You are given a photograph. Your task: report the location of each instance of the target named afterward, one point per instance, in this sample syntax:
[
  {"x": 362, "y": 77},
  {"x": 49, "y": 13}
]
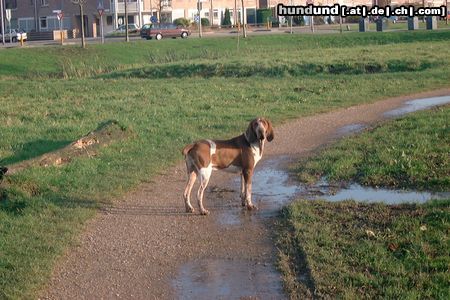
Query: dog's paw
[
  {"x": 251, "y": 207},
  {"x": 190, "y": 209},
  {"x": 204, "y": 212}
]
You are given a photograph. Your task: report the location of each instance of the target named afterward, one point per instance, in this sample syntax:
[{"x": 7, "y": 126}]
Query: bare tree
[
  {"x": 127, "y": 36},
  {"x": 81, "y": 4},
  {"x": 244, "y": 30}
]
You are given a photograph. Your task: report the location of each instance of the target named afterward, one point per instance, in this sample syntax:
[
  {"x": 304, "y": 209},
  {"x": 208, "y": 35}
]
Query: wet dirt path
[{"x": 146, "y": 247}]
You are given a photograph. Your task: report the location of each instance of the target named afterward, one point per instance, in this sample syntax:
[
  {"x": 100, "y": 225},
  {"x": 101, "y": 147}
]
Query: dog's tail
[{"x": 186, "y": 149}]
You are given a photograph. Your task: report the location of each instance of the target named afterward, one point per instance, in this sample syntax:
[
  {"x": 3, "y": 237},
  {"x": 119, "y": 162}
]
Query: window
[
  {"x": 11, "y": 4},
  {"x": 216, "y": 13},
  {"x": 206, "y": 14},
  {"x": 109, "y": 20},
  {"x": 44, "y": 3},
  {"x": 43, "y": 22}
]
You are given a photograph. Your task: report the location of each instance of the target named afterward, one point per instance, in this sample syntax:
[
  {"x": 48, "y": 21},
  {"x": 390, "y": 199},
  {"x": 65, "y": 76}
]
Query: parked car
[
  {"x": 158, "y": 31},
  {"x": 132, "y": 28},
  {"x": 16, "y": 34}
]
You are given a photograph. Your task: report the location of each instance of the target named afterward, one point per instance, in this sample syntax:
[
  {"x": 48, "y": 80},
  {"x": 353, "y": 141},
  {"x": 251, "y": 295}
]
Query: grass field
[
  {"x": 406, "y": 153},
  {"x": 356, "y": 250},
  {"x": 167, "y": 94}
]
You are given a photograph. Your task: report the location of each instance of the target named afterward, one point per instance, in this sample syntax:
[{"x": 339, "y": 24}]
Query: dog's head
[{"x": 258, "y": 130}]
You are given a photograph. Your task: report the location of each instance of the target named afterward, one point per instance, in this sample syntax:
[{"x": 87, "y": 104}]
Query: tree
[
  {"x": 81, "y": 4},
  {"x": 227, "y": 18},
  {"x": 244, "y": 30}
]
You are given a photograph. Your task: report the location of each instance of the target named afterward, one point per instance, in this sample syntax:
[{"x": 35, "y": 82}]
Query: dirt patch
[
  {"x": 142, "y": 245},
  {"x": 87, "y": 145}
]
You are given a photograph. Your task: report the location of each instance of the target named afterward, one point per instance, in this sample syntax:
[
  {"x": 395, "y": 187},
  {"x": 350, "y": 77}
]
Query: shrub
[
  {"x": 319, "y": 20},
  {"x": 298, "y": 20},
  {"x": 227, "y": 18},
  {"x": 205, "y": 22},
  {"x": 263, "y": 15},
  {"x": 182, "y": 22},
  {"x": 352, "y": 19}
]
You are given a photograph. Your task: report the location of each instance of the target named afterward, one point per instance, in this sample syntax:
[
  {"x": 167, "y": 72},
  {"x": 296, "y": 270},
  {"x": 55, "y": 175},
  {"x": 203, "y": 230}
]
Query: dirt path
[{"x": 146, "y": 247}]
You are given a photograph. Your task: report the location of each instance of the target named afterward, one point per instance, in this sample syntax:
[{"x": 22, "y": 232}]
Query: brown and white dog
[{"x": 242, "y": 152}]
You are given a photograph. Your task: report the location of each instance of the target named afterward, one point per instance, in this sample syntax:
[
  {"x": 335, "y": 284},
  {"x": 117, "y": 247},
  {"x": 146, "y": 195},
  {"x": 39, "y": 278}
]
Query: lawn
[
  {"x": 409, "y": 152},
  {"x": 356, "y": 250},
  {"x": 167, "y": 94}
]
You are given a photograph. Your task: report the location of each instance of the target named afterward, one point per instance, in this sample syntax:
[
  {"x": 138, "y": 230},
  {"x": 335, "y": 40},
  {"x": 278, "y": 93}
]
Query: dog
[{"x": 242, "y": 152}]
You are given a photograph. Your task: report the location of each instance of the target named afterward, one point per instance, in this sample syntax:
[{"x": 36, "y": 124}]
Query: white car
[{"x": 16, "y": 34}]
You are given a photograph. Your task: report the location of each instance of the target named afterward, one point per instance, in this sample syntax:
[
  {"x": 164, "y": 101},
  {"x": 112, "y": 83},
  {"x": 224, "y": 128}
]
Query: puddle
[
  {"x": 350, "y": 129},
  {"x": 227, "y": 279},
  {"x": 416, "y": 105},
  {"x": 272, "y": 188},
  {"x": 367, "y": 194}
]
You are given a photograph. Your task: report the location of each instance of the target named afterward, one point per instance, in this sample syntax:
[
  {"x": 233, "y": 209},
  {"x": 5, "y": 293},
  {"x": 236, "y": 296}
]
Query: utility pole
[{"x": 2, "y": 16}]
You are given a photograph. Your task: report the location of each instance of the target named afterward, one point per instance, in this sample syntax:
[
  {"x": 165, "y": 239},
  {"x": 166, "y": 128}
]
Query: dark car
[{"x": 158, "y": 31}]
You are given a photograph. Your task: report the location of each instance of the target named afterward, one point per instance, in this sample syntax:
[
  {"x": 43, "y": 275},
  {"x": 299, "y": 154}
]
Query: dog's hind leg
[
  {"x": 192, "y": 176},
  {"x": 205, "y": 174}
]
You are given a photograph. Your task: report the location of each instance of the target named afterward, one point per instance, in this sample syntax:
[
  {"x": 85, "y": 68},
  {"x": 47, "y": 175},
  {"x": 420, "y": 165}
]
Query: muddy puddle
[
  {"x": 272, "y": 188},
  {"x": 416, "y": 105},
  {"x": 351, "y": 129},
  {"x": 228, "y": 279}
]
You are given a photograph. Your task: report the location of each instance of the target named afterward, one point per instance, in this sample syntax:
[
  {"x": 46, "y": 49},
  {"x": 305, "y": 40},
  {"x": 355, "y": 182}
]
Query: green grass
[
  {"x": 51, "y": 96},
  {"x": 352, "y": 250},
  {"x": 411, "y": 152}
]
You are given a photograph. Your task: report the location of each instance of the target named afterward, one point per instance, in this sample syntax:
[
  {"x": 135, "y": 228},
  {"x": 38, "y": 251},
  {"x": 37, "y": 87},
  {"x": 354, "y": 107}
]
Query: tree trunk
[
  {"x": 244, "y": 29},
  {"x": 211, "y": 14},
  {"x": 127, "y": 37},
  {"x": 83, "y": 42}
]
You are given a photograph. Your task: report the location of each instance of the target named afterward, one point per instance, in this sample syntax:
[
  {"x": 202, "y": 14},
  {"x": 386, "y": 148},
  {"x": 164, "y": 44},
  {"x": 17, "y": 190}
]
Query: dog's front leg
[
  {"x": 243, "y": 189},
  {"x": 247, "y": 174}
]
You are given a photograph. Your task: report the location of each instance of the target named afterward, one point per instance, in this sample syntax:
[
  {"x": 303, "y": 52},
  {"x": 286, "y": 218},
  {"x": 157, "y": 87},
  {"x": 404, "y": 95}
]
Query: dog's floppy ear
[
  {"x": 250, "y": 133},
  {"x": 270, "y": 133}
]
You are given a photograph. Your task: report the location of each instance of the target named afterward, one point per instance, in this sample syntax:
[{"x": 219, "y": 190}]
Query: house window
[
  {"x": 109, "y": 20},
  {"x": 43, "y": 22},
  {"x": 44, "y": 2},
  {"x": 206, "y": 14},
  {"x": 216, "y": 13},
  {"x": 11, "y": 4}
]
